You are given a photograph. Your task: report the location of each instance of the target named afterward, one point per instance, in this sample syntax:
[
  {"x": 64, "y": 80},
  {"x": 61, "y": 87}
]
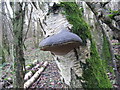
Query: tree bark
[
  {"x": 103, "y": 14},
  {"x": 105, "y": 19},
  {"x": 69, "y": 64},
  {"x": 19, "y": 61},
  {"x": 5, "y": 42}
]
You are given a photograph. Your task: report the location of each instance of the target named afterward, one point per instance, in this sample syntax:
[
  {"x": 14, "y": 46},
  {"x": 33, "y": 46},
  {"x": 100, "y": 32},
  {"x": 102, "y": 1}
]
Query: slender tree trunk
[
  {"x": 19, "y": 61},
  {"x": 5, "y": 43}
]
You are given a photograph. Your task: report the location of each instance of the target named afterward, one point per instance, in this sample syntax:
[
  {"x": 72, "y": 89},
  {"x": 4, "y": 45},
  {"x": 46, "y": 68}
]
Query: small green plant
[{"x": 113, "y": 13}]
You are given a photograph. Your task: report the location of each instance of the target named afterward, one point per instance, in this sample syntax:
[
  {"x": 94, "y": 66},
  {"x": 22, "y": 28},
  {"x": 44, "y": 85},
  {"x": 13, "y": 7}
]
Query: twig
[
  {"x": 28, "y": 25},
  {"x": 42, "y": 26},
  {"x": 103, "y": 4}
]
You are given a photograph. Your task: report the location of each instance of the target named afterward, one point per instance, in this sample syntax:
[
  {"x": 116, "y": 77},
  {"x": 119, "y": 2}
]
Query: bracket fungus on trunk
[{"x": 61, "y": 43}]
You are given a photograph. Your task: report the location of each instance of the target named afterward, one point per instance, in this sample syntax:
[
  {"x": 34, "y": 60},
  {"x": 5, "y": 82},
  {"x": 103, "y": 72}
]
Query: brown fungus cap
[{"x": 61, "y": 43}]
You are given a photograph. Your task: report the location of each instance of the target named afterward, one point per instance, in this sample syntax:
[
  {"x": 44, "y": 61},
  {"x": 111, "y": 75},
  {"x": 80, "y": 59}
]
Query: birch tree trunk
[
  {"x": 86, "y": 66},
  {"x": 51, "y": 24}
]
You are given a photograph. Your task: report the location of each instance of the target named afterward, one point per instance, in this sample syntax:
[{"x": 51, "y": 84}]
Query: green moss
[
  {"x": 74, "y": 16},
  {"x": 95, "y": 75},
  {"x": 115, "y": 11},
  {"x": 0, "y": 51},
  {"x": 95, "y": 72},
  {"x": 111, "y": 15},
  {"x": 106, "y": 55},
  {"x": 116, "y": 44}
]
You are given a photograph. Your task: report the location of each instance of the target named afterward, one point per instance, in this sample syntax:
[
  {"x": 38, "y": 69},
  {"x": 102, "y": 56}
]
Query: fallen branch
[
  {"x": 35, "y": 76},
  {"x": 30, "y": 73},
  {"x": 32, "y": 64}
]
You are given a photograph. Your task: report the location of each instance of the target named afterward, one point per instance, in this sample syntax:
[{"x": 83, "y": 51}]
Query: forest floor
[{"x": 49, "y": 78}]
